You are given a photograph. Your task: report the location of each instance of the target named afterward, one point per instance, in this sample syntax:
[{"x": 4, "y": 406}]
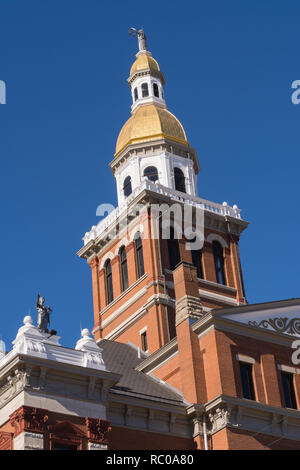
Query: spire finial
[{"x": 141, "y": 38}]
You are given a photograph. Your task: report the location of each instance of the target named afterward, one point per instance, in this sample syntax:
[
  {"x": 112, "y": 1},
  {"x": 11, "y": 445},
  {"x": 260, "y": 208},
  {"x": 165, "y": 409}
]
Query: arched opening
[
  {"x": 197, "y": 260},
  {"x": 139, "y": 256},
  {"x": 108, "y": 282},
  {"x": 219, "y": 262},
  {"x": 179, "y": 180},
  {"x": 127, "y": 186},
  {"x": 155, "y": 90},
  {"x": 173, "y": 250},
  {"x": 135, "y": 94},
  {"x": 151, "y": 173},
  {"x": 145, "y": 90},
  {"x": 124, "y": 270}
]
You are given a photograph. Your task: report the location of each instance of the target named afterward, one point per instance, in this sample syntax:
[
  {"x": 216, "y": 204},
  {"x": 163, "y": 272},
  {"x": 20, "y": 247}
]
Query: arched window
[
  {"x": 155, "y": 90},
  {"x": 179, "y": 180},
  {"x": 108, "y": 282},
  {"x": 151, "y": 173},
  {"x": 139, "y": 256},
  {"x": 173, "y": 250},
  {"x": 219, "y": 262},
  {"x": 124, "y": 270},
  {"x": 145, "y": 91},
  {"x": 127, "y": 186},
  {"x": 135, "y": 94},
  {"x": 197, "y": 260}
]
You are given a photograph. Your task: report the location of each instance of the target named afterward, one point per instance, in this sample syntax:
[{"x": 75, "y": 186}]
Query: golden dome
[
  {"x": 144, "y": 61},
  {"x": 147, "y": 123}
]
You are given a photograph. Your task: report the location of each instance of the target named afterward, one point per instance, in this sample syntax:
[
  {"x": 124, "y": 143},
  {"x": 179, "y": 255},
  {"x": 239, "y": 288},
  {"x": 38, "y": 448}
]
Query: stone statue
[
  {"x": 43, "y": 314},
  {"x": 141, "y": 38}
]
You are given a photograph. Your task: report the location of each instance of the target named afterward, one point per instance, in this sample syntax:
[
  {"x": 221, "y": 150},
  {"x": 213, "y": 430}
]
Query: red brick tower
[{"x": 131, "y": 257}]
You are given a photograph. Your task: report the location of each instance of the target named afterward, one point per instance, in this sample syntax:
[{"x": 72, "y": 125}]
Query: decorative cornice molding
[
  {"x": 155, "y": 299},
  {"x": 224, "y": 299},
  {"x": 224, "y": 411},
  {"x": 29, "y": 419}
]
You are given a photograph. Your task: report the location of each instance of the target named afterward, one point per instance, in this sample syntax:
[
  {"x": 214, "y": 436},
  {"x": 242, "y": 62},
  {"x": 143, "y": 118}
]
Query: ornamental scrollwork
[
  {"x": 279, "y": 324},
  {"x": 29, "y": 419},
  {"x": 98, "y": 429}
]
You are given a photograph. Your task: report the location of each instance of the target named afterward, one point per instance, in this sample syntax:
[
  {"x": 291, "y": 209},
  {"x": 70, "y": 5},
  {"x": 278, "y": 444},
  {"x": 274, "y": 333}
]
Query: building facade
[{"x": 179, "y": 359}]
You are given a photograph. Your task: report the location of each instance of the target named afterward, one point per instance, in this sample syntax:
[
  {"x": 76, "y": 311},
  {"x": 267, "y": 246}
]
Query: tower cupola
[{"x": 152, "y": 137}]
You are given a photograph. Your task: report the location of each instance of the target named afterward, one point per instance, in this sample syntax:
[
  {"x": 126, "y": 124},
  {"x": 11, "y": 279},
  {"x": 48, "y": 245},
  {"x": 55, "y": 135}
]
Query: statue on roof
[
  {"x": 43, "y": 314},
  {"x": 141, "y": 38}
]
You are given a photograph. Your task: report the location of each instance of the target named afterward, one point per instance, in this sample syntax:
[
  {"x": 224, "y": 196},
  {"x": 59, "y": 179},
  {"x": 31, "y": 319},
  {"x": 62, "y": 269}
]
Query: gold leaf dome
[
  {"x": 144, "y": 61},
  {"x": 150, "y": 122}
]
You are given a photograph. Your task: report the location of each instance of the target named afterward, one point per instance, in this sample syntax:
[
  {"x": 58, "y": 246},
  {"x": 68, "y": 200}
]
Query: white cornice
[
  {"x": 154, "y": 299},
  {"x": 217, "y": 297},
  {"x": 130, "y": 301}
]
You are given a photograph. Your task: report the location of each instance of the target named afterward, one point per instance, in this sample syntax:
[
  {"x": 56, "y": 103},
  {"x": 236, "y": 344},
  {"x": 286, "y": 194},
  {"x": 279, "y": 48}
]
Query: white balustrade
[{"x": 177, "y": 196}]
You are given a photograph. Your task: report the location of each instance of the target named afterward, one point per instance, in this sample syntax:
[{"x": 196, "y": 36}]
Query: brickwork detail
[
  {"x": 29, "y": 419},
  {"x": 6, "y": 441},
  {"x": 98, "y": 430}
]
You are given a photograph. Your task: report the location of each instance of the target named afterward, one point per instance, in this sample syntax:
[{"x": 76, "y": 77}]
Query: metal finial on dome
[{"x": 141, "y": 38}]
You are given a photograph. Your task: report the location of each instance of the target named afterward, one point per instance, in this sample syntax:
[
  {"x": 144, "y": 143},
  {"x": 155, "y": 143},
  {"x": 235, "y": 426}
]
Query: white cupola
[{"x": 152, "y": 145}]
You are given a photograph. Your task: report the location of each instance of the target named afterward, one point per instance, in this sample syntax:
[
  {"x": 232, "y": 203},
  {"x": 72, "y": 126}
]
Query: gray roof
[{"x": 122, "y": 359}]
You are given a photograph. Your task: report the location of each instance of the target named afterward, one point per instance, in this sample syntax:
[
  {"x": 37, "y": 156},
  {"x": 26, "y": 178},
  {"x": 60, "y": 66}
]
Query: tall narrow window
[
  {"x": 179, "y": 180},
  {"x": 247, "y": 381},
  {"x": 155, "y": 90},
  {"x": 288, "y": 390},
  {"x": 109, "y": 285},
  {"x": 197, "y": 260},
  {"x": 151, "y": 173},
  {"x": 145, "y": 90},
  {"x": 144, "y": 341},
  {"x": 219, "y": 262},
  {"x": 127, "y": 186},
  {"x": 173, "y": 249},
  {"x": 139, "y": 257},
  {"x": 135, "y": 94},
  {"x": 124, "y": 270}
]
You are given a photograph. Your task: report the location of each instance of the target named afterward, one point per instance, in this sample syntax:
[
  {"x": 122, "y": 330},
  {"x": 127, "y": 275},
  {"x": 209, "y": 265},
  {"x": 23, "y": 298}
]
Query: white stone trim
[
  {"x": 216, "y": 285},
  {"x": 108, "y": 255},
  {"x": 150, "y": 371},
  {"x": 124, "y": 307},
  {"x": 125, "y": 292},
  {"x": 217, "y": 297},
  {"x": 258, "y": 418},
  {"x": 64, "y": 405},
  {"x": 29, "y": 441},
  {"x": 95, "y": 446},
  {"x": 143, "y": 330},
  {"x": 134, "y": 232},
  {"x": 284, "y": 368},
  {"x": 156, "y": 298},
  {"x": 243, "y": 358},
  {"x": 214, "y": 236},
  {"x": 164, "y": 191},
  {"x": 125, "y": 324},
  {"x": 124, "y": 242}
]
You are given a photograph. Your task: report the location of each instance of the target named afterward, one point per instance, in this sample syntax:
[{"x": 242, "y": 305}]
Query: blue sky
[{"x": 228, "y": 67}]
